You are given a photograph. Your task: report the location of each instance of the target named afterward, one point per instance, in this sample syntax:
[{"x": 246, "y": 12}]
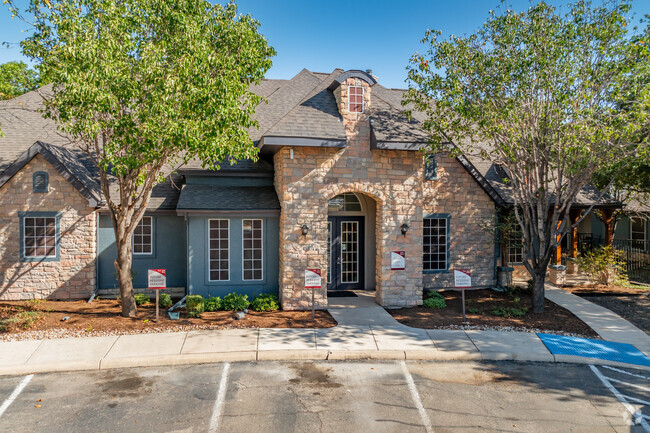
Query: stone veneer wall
[
  {"x": 395, "y": 180},
  {"x": 73, "y": 276},
  {"x": 456, "y": 193}
]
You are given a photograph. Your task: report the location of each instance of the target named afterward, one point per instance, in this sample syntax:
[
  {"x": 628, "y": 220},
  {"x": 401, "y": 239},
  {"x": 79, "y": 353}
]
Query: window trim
[
  {"x": 447, "y": 217},
  {"x": 363, "y": 102},
  {"x": 210, "y": 280},
  {"x": 153, "y": 239},
  {"x": 434, "y": 160},
  {"x": 261, "y": 220},
  {"x": 57, "y": 217},
  {"x": 46, "y": 188}
]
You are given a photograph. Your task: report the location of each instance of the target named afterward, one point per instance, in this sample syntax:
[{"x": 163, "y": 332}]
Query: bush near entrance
[{"x": 194, "y": 305}]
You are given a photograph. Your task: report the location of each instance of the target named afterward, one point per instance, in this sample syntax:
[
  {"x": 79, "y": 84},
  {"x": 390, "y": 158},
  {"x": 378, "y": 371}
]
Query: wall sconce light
[
  {"x": 305, "y": 229},
  {"x": 405, "y": 228}
]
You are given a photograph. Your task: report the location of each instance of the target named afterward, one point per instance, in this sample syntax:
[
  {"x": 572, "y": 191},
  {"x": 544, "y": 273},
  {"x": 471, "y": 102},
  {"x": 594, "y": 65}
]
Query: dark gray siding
[
  {"x": 169, "y": 252},
  {"x": 198, "y": 278}
]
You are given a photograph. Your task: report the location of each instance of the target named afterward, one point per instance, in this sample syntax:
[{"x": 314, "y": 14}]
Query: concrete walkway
[
  {"x": 360, "y": 311},
  {"x": 365, "y": 331},
  {"x": 609, "y": 325}
]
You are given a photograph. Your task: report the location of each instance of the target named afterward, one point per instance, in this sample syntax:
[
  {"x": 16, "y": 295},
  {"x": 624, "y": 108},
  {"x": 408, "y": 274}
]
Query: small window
[
  {"x": 347, "y": 202},
  {"x": 219, "y": 246},
  {"x": 355, "y": 99},
  {"x": 638, "y": 232},
  {"x": 252, "y": 249},
  {"x": 436, "y": 243},
  {"x": 40, "y": 181},
  {"x": 143, "y": 236},
  {"x": 516, "y": 248},
  {"x": 431, "y": 167}
]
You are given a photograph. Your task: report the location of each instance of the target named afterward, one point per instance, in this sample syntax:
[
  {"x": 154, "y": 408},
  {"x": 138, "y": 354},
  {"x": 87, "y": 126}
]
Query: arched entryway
[{"x": 351, "y": 242}]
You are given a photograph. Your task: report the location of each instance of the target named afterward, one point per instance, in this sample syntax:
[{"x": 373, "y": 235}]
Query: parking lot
[{"x": 389, "y": 396}]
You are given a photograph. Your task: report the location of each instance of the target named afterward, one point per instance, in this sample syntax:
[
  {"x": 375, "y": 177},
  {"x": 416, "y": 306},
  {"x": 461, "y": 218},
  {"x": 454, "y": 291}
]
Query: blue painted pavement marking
[{"x": 599, "y": 349}]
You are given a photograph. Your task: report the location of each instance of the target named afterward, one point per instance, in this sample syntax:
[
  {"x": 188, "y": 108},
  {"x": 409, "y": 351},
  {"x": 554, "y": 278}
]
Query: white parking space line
[
  {"x": 23, "y": 383},
  {"x": 221, "y": 396},
  {"x": 633, "y": 385},
  {"x": 416, "y": 398},
  {"x": 638, "y": 400},
  {"x": 618, "y": 370},
  {"x": 638, "y": 418}
]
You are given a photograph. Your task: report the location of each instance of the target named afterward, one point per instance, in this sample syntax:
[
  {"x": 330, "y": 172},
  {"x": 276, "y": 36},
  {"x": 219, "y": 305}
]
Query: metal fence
[{"x": 636, "y": 254}]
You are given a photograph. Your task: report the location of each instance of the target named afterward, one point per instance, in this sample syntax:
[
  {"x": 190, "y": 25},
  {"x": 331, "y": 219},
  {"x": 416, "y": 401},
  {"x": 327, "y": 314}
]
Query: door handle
[{"x": 338, "y": 261}]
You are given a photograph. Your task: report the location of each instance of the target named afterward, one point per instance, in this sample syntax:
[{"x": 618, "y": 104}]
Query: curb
[{"x": 298, "y": 355}]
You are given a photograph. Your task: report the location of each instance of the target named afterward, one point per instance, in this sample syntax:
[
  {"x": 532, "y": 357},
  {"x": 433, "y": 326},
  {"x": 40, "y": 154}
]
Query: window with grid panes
[
  {"x": 143, "y": 236},
  {"x": 219, "y": 245},
  {"x": 39, "y": 236},
  {"x": 252, "y": 238},
  {"x": 435, "y": 244},
  {"x": 355, "y": 99}
]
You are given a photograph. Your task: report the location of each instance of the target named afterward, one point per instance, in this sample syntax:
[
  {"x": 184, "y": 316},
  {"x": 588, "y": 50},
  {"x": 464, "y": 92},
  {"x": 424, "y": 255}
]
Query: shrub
[
  {"x": 434, "y": 300},
  {"x": 604, "y": 265},
  {"x": 235, "y": 301},
  {"x": 213, "y": 303},
  {"x": 509, "y": 311},
  {"x": 165, "y": 301},
  {"x": 265, "y": 302},
  {"x": 194, "y": 305},
  {"x": 141, "y": 299}
]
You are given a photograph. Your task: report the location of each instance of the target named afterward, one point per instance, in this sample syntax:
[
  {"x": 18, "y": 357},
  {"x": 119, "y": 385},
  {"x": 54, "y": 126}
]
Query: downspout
[
  {"x": 96, "y": 289},
  {"x": 188, "y": 270},
  {"x": 497, "y": 248}
]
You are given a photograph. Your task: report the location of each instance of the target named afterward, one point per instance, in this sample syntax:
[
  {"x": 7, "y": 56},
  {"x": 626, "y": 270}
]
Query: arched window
[
  {"x": 40, "y": 181},
  {"x": 347, "y": 202}
]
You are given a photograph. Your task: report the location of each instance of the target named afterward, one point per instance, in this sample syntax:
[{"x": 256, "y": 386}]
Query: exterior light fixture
[
  {"x": 405, "y": 228},
  {"x": 305, "y": 229}
]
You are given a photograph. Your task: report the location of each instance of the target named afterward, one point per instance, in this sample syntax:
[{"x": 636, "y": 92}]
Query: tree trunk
[
  {"x": 538, "y": 290},
  {"x": 123, "y": 268}
]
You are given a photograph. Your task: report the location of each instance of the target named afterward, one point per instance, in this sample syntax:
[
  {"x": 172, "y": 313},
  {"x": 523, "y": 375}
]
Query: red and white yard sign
[
  {"x": 312, "y": 279},
  {"x": 157, "y": 279},
  {"x": 397, "y": 260},
  {"x": 462, "y": 279}
]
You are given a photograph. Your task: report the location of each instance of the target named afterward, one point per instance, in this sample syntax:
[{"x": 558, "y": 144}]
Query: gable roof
[
  {"x": 301, "y": 111},
  {"x": 69, "y": 165}
]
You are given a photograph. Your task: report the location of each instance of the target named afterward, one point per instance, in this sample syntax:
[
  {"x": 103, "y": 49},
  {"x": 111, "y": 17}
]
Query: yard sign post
[
  {"x": 313, "y": 282},
  {"x": 157, "y": 281},
  {"x": 462, "y": 281}
]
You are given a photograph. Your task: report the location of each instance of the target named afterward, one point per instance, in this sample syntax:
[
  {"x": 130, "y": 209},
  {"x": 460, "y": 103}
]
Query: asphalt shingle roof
[
  {"x": 301, "y": 107},
  {"x": 228, "y": 198}
]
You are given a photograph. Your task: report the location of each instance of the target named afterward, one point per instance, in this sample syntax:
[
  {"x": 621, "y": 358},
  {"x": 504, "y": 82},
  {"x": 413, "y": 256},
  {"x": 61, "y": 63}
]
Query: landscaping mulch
[
  {"x": 630, "y": 302},
  {"x": 480, "y": 312},
  {"x": 42, "y": 319}
]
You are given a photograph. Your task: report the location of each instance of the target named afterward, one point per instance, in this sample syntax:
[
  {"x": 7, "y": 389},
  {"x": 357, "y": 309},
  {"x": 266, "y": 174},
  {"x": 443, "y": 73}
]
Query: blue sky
[{"x": 321, "y": 35}]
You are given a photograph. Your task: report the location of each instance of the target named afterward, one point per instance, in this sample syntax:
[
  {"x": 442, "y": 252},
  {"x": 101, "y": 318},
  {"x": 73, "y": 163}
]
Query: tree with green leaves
[
  {"x": 143, "y": 86},
  {"x": 17, "y": 78},
  {"x": 628, "y": 179},
  {"x": 538, "y": 94}
]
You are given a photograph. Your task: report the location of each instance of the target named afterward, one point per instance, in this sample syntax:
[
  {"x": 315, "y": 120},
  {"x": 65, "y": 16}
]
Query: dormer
[{"x": 352, "y": 92}]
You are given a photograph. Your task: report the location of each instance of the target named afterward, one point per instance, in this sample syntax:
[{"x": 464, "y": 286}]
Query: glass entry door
[{"x": 345, "y": 250}]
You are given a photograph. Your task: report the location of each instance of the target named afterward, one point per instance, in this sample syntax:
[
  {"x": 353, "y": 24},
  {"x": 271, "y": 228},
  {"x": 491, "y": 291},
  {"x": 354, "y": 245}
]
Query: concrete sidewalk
[
  {"x": 609, "y": 325},
  {"x": 365, "y": 331}
]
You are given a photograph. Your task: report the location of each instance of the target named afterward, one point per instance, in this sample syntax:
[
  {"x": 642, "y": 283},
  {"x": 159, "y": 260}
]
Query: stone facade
[
  {"x": 71, "y": 277},
  {"x": 456, "y": 193},
  {"x": 394, "y": 179}
]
